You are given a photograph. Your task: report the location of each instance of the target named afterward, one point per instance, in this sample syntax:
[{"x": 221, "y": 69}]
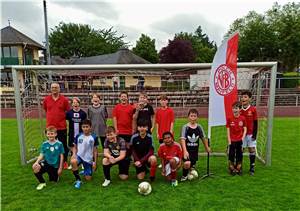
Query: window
[
  {"x": 13, "y": 52},
  {"x": 6, "y": 52},
  {"x": 9, "y": 52}
]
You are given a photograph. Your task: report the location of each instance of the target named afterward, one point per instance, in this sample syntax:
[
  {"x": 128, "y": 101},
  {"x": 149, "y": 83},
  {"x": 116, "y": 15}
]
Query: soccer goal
[{"x": 186, "y": 85}]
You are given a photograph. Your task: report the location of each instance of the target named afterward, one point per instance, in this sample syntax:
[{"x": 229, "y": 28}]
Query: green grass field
[{"x": 272, "y": 188}]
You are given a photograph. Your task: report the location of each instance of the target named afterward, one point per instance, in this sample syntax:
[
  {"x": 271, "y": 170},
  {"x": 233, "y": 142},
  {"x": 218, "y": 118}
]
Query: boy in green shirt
[{"x": 50, "y": 160}]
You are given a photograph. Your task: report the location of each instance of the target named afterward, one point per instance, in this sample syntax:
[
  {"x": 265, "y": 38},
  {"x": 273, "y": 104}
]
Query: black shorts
[
  {"x": 236, "y": 152},
  {"x": 142, "y": 168},
  {"x": 71, "y": 141},
  {"x": 193, "y": 157},
  {"x": 52, "y": 172},
  {"x": 123, "y": 166}
]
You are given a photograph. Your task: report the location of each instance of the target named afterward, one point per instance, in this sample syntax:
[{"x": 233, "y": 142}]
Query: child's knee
[
  {"x": 187, "y": 164},
  {"x": 152, "y": 160},
  {"x": 73, "y": 162},
  {"x": 123, "y": 176},
  {"x": 105, "y": 161}
]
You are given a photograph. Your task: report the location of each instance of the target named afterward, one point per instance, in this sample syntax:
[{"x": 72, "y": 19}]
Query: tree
[
  {"x": 177, "y": 51},
  {"x": 202, "y": 46},
  {"x": 285, "y": 21},
  {"x": 145, "y": 48},
  {"x": 79, "y": 40},
  {"x": 274, "y": 35}
]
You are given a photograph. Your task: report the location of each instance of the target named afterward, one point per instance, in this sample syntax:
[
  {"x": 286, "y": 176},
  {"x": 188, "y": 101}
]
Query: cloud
[
  {"x": 97, "y": 8},
  {"x": 189, "y": 23},
  {"x": 26, "y": 17}
]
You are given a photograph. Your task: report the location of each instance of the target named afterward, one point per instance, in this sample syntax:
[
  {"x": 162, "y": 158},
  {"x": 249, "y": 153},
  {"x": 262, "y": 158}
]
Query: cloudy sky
[{"x": 160, "y": 19}]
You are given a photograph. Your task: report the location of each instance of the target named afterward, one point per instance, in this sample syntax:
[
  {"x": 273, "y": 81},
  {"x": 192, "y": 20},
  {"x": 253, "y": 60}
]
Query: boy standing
[
  {"x": 171, "y": 154},
  {"x": 164, "y": 118},
  {"x": 236, "y": 132},
  {"x": 143, "y": 152},
  {"x": 191, "y": 133},
  {"x": 144, "y": 112},
  {"x": 122, "y": 117},
  {"x": 75, "y": 116},
  {"x": 85, "y": 153},
  {"x": 114, "y": 153},
  {"x": 50, "y": 160},
  {"x": 249, "y": 112},
  {"x": 97, "y": 113}
]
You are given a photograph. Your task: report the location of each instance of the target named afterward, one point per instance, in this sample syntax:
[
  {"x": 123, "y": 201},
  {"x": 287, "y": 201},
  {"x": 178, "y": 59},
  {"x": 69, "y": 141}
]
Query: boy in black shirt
[
  {"x": 144, "y": 112},
  {"x": 143, "y": 152},
  {"x": 190, "y": 135},
  {"x": 114, "y": 153}
]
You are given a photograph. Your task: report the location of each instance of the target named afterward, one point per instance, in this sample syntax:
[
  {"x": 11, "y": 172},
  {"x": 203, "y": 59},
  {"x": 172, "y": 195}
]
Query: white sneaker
[
  {"x": 41, "y": 186},
  {"x": 106, "y": 183},
  {"x": 70, "y": 167},
  {"x": 159, "y": 166}
]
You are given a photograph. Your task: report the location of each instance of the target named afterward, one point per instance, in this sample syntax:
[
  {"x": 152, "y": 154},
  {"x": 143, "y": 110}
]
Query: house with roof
[
  {"x": 16, "y": 49},
  {"x": 131, "y": 80}
]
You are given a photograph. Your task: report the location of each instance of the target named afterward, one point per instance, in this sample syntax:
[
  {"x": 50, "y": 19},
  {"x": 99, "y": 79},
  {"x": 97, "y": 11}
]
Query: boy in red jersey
[
  {"x": 249, "y": 112},
  {"x": 164, "y": 118},
  {"x": 171, "y": 154},
  {"x": 236, "y": 132},
  {"x": 123, "y": 117}
]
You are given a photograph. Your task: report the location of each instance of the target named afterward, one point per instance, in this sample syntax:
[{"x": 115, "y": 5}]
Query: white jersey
[{"x": 85, "y": 146}]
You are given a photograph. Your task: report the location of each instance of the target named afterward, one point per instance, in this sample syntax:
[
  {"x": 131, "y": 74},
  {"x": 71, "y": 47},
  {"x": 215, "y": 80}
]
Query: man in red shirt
[
  {"x": 171, "y": 154},
  {"x": 122, "y": 118},
  {"x": 236, "y": 132},
  {"x": 249, "y": 112},
  {"x": 56, "y": 106},
  {"x": 164, "y": 118}
]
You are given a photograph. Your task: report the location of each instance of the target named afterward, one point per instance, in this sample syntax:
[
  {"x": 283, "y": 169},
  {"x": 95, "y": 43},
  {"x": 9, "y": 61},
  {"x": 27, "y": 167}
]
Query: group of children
[{"x": 130, "y": 141}]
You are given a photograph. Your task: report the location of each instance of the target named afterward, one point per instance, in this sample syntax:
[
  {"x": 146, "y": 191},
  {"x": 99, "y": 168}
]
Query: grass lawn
[{"x": 272, "y": 188}]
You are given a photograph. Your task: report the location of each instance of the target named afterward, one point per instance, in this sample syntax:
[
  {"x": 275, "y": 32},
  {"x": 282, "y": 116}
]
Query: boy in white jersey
[{"x": 85, "y": 153}]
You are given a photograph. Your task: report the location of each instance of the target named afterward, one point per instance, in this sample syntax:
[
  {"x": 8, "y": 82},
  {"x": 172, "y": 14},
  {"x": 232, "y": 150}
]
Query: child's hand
[
  {"x": 112, "y": 160},
  {"x": 94, "y": 166},
  {"x": 137, "y": 163},
  {"x": 186, "y": 155},
  {"x": 36, "y": 167},
  {"x": 208, "y": 150},
  {"x": 59, "y": 171}
]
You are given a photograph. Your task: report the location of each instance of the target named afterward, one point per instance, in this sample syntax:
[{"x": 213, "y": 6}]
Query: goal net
[{"x": 186, "y": 85}]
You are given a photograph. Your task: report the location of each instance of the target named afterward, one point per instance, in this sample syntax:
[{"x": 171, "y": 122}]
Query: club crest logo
[
  {"x": 224, "y": 80},
  {"x": 241, "y": 123}
]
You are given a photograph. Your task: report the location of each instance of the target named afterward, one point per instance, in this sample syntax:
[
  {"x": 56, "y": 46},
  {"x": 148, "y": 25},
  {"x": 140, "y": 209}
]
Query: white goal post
[{"x": 118, "y": 69}]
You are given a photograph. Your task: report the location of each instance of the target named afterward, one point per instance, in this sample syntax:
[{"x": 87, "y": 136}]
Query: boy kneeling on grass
[
  {"x": 143, "y": 152},
  {"x": 171, "y": 154},
  {"x": 50, "y": 160},
  {"x": 85, "y": 153},
  {"x": 236, "y": 132},
  {"x": 114, "y": 153}
]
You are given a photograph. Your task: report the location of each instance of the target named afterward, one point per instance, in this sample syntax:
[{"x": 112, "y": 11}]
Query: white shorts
[
  {"x": 247, "y": 142},
  {"x": 168, "y": 166}
]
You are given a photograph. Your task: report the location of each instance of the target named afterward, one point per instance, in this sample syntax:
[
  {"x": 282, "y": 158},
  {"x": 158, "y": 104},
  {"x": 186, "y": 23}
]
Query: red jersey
[
  {"x": 236, "y": 127},
  {"x": 250, "y": 114},
  {"x": 124, "y": 115},
  {"x": 167, "y": 152},
  {"x": 56, "y": 111},
  {"x": 164, "y": 118}
]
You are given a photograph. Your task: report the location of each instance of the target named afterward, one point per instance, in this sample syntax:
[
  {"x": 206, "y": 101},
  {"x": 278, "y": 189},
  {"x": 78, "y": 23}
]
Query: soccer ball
[
  {"x": 144, "y": 188},
  {"x": 193, "y": 174}
]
